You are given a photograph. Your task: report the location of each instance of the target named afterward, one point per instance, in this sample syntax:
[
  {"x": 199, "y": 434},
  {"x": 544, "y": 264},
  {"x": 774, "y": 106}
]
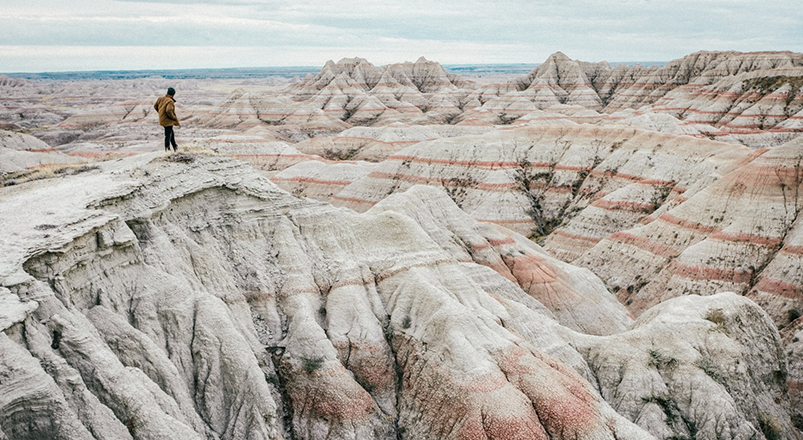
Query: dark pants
[{"x": 170, "y": 138}]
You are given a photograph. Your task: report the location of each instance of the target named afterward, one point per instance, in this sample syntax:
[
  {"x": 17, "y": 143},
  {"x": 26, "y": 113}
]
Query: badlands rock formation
[
  {"x": 655, "y": 215},
  {"x": 19, "y": 152},
  {"x": 351, "y": 92},
  {"x": 191, "y": 298},
  {"x": 718, "y": 240},
  {"x": 188, "y": 296},
  {"x": 532, "y": 179},
  {"x": 751, "y": 98}
]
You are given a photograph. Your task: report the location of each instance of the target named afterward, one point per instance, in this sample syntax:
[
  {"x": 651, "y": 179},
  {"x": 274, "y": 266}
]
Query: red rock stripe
[
  {"x": 686, "y": 110},
  {"x": 748, "y": 238},
  {"x": 780, "y": 288},
  {"x": 643, "y": 244},
  {"x": 500, "y": 241},
  {"x": 563, "y": 233},
  {"x": 778, "y": 116},
  {"x": 656, "y": 182},
  {"x": 279, "y": 155},
  {"x": 793, "y": 250},
  {"x": 397, "y": 270},
  {"x": 483, "y": 163},
  {"x": 240, "y": 141},
  {"x": 686, "y": 224},
  {"x": 96, "y": 154},
  {"x": 348, "y": 282},
  {"x": 633, "y": 178},
  {"x": 711, "y": 273}
]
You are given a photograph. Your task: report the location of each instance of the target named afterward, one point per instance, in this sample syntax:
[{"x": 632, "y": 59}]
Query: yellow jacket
[{"x": 166, "y": 106}]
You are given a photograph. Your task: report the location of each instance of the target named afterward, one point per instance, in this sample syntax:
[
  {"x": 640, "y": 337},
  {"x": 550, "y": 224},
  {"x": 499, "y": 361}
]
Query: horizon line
[{"x": 304, "y": 67}]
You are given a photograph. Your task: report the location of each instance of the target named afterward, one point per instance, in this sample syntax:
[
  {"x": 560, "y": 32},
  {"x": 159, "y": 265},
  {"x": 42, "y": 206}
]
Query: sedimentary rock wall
[
  {"x": 583, "y": 182},
  {"x": 724, "y": 237},
  {"x": 751, "y": 98},
  {"x": 191, "y": 298}
]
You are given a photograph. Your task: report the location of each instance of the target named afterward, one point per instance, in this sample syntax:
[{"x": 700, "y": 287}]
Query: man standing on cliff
[{"x": 166, "y": 106}]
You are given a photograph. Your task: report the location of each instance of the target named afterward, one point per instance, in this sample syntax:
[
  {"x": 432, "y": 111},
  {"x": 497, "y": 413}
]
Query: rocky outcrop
[
  {"x": 727, "y": 236},
  {"x": 191, "y": 298},
  {"x": 793, "y": 344},
  {"x": 751, "y": 98},
  {"x": 681, "y": 371},
  {"x": 21, "y": 151},
  {"x": 351, "y": 92},
  {"x": 576, "y": 297},
  {"x": 138, "y": 315},
  {"x": 659, "y": 203},
  {"x": 583, "y": 182},
  {"x": 745, "y": 98}
]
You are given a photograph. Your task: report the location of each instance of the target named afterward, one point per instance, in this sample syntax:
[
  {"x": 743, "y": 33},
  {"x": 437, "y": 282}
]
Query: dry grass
[
  {"x": 44, "y": 172},
  {"x": 188, "y": 153},
  {"x": 717, "y": 316},
  {"x": 197, "y": 148}
]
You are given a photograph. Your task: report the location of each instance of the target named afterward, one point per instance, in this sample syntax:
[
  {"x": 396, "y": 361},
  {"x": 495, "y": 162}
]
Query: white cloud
[{"x": 461, "y": 31}]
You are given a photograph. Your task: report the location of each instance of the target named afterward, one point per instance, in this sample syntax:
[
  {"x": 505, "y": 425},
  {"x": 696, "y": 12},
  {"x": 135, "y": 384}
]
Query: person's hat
[{"x": 171, "y": 91}]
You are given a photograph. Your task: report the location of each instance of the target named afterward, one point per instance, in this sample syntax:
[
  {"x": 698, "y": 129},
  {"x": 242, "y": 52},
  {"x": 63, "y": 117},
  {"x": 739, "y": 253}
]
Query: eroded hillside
[{"x": 192, "y": 298}]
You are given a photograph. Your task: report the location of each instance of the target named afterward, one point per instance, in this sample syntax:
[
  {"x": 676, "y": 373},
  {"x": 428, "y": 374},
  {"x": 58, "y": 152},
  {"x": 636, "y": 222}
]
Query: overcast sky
[{"x": 59, "y": 35}]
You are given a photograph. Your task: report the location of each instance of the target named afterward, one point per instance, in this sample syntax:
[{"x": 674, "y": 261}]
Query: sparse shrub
[
  {"x": 407, "y": 322},
  {"x": 332, "y": 154},
  {"x": 310, "y": 365},
  {"x": 717, "y": 316},
  {"x": 660, "y": 195},
  {"x": 710, "y": 368},
  {"x": 797, "y": 420},
  {"x": 505, "y": 119},
  {"x": 659, "y": 360},
  {"x": 667, "y": 405},
  {"x": 770, "y": 426},
  {"x": 181, "y": 158},
  {"x": 581, "y": 177},
  {"x": 793, "y": 314},
  {"x": 457, "y": 188},
  {"x": 768, "y": 84},
  {"x": 272, "y": 379}
]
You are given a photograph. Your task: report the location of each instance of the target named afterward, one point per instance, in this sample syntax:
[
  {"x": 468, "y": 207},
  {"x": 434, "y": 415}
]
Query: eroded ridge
[{"x": 165, "y": 300}]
